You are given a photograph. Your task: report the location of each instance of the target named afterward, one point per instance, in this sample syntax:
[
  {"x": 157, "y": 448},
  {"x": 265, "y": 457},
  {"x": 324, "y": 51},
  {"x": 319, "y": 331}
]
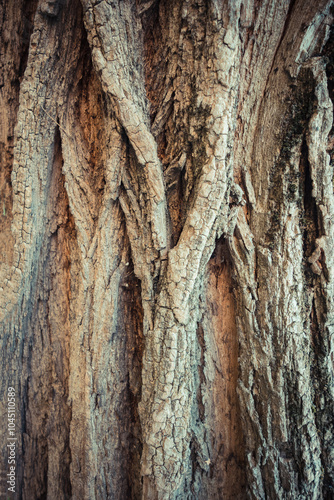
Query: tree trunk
[{"x": 167, "y": 263}]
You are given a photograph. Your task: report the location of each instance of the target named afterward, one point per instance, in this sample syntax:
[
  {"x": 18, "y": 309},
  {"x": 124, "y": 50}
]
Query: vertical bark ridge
[
  {"x": 25, "y": 299},
  {"x": 112, "y": 57},
  {"x": 36, "y": 115},
  {"x": 321, "y": 261},
  {"x": 97, "y": 393},
  {"x": 274, "y": 311},
  {"x": 167, "y": 410},
  {"x": 17, "y": 25},
  {"x": 46, "y": 355}
]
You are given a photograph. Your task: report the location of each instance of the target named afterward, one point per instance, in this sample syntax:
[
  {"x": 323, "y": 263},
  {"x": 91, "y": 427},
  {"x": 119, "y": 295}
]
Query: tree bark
[{"x": 167, "y": 287}]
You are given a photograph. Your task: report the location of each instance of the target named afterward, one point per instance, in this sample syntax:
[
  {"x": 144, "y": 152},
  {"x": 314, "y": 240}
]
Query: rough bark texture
[{"x": 166, "y": 216}]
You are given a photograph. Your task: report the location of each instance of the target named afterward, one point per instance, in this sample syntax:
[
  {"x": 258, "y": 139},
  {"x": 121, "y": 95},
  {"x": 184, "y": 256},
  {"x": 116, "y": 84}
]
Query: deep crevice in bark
[
  {"x": 131, "y": 326},
  {"x": 309, "y": 213},
  {"x": 200, "y": 338},
  {"x": 29, "y": 9},
  {"x": 300, "y": 102},
  {"x": 220, "y": 377}
]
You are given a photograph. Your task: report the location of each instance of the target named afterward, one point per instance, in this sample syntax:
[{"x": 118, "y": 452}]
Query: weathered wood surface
[{"x": 166, "y": 216}]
